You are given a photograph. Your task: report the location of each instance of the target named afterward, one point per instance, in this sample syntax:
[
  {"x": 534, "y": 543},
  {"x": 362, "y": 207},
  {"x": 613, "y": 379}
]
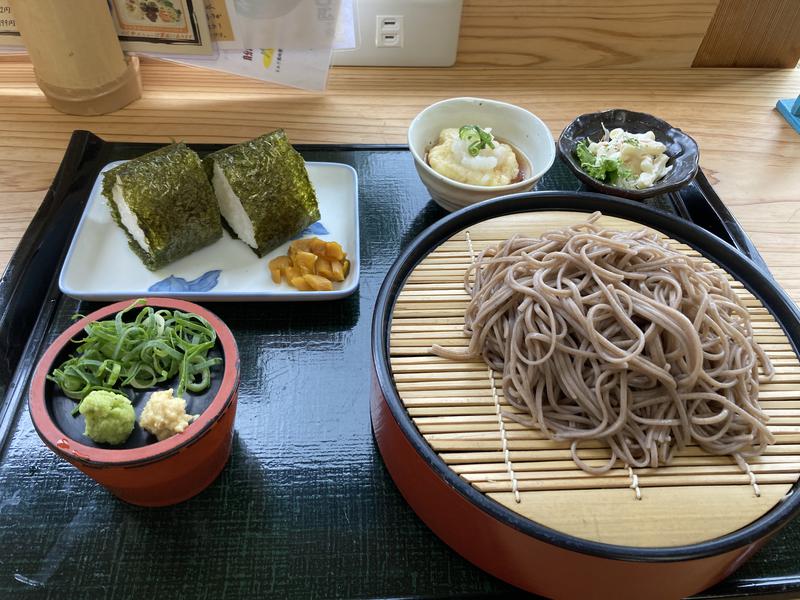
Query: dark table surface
[{"x": 305, "y": 508}]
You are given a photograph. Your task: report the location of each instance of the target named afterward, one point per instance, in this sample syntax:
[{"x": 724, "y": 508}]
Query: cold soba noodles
[{"x": 615, "y": 337}]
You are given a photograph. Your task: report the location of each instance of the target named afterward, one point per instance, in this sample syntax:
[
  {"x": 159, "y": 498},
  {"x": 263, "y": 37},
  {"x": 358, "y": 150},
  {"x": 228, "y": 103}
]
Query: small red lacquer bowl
[{"x": 156, "y": 473}]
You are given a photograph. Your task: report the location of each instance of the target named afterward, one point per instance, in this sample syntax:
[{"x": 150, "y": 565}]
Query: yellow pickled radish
[
  {"x": 317, "y": 246},
  {"x": 323, "y": 267},
  {"x": 318, "y": 282},
  {"x": 311, "y": 264},
  {"x": 338, "y": 270},
  {"x": 300, "y": 283},
  {"x": 305, "y": 261},
  {"x": 334, "y": 251},
  {"x": 277, "y": 266},
  {"x": 293, "y": 273},
  {"x": 296, "y": 246}
]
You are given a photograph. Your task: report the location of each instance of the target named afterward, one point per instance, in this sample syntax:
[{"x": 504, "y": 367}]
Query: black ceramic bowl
[{"x": 684, "y": 155}]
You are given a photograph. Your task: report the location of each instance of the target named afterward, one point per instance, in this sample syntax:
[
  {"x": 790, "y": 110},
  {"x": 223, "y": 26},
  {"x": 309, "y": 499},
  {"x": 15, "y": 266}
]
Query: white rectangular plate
[{"x": 101, "y": 266}]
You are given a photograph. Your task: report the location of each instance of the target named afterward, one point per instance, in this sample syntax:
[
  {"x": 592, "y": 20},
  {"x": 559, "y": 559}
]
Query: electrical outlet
[
  {"x": 389, "y": 31},
  {"x": 389, "y": 40},
  {"x": 389, "y": 23},
  {"x": 404, "y": 33}
]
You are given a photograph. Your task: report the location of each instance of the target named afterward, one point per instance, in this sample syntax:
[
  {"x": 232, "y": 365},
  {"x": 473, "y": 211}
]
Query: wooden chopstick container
[{"x": 76, "y": 55}]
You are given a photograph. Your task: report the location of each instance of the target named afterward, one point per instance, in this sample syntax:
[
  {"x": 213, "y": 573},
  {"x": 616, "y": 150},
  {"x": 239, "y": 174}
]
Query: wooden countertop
[{"x": 749, "y": 153}]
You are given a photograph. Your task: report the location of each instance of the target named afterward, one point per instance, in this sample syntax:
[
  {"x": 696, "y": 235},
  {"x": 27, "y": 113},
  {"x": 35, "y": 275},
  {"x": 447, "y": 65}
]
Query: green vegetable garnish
[
  {"x": 602, "y": 169},
  {"x": 109, "y": 417},
  {"x": 632, "y": 141},
  {"x": 150, "y": 349},
  {"x": 477, "y": 138}
]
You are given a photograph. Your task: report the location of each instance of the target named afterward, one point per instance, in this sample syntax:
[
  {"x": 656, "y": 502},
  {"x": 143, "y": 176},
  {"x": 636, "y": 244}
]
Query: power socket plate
[
  {"x": 427, "y": 34},
  {"x": 389, "y": 31}
]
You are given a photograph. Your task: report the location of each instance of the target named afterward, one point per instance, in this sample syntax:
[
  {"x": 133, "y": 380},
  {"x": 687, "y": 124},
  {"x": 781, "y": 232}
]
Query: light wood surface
[
  {"x": 457, "y": 406},
  {"x": 748, "y": 151},
  {"x": 752, "y": 33},
  {"x": 630, "y": 33},
  {"x": 576, "y": 33}
]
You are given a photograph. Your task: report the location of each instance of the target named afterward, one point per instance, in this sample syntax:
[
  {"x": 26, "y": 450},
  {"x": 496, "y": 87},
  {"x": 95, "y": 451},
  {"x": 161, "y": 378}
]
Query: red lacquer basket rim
[
  {"x": 766, "y": 290},
  {"x": 103, "y": 457}
]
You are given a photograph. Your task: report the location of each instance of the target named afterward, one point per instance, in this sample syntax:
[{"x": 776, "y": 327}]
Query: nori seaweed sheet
[
  {"x": 270, "y": 179},
  {"x": 168, "y": 192}
]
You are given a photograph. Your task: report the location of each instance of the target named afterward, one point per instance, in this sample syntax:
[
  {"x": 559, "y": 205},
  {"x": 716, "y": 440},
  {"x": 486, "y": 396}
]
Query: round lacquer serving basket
[
  {"x": 512, "y": 501},
  {"x": 142, "y": 470}
]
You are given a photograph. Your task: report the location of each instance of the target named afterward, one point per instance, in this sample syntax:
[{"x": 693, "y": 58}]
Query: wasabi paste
[{"x": 109, "y": 417}]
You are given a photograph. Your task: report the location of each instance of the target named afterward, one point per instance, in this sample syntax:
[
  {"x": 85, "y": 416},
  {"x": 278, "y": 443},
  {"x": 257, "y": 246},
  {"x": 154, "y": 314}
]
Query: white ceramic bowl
[{"x": 517, "y": 126}]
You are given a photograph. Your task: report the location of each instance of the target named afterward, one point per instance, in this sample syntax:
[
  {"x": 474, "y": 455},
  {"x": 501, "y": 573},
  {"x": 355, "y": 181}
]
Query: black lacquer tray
[{"x": 305, "y": 507}]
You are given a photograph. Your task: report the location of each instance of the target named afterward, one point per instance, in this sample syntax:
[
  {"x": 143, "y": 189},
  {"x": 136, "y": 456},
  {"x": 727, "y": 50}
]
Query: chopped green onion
[
  {"x": 477, "y": 138},
  {"x": 154, "y": 347}
]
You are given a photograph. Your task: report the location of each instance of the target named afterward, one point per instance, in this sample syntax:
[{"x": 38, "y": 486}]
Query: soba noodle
[{"x": 615, "y": 337}]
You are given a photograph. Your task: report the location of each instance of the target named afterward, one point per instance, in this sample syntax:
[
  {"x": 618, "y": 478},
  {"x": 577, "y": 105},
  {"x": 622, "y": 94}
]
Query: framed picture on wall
[
  {"x": 159, "y": 26},
  {"x": 163, "y": 26}
]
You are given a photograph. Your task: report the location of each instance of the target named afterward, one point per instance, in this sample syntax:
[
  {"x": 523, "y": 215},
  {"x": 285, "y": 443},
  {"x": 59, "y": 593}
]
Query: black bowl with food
[{"x": 613, "y": 152}]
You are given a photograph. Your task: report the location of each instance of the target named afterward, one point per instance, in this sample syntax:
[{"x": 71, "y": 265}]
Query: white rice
[
  {"x": 231, "y": 208},
  {"x": 129, "y": 220}
]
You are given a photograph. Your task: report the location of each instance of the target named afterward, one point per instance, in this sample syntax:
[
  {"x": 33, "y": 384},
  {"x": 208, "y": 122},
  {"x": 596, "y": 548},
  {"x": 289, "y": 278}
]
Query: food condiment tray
[
  {"x": 305, "y": 507},
  {"x": 100, "y": 266}
]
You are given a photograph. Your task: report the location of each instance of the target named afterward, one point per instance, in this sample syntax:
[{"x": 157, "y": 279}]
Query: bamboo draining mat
[{"x": 456, "y": 407}]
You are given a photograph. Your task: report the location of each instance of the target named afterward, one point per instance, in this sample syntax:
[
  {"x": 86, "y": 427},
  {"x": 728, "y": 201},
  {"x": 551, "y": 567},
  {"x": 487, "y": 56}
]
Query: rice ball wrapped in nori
[
  {"x": 164, "y": 203},
  {"x": 263, "y": 190}
]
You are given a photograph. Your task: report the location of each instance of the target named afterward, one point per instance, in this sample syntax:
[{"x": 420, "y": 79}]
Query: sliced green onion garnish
[
  {"x": 154, "y": 347},
  {"x": 477, "y": 138}
]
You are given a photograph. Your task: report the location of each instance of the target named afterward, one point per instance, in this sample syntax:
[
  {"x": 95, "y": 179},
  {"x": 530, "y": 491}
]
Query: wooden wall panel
[
  {"x": 752, "y": 33},
  {"x": 583, "y": 33}
]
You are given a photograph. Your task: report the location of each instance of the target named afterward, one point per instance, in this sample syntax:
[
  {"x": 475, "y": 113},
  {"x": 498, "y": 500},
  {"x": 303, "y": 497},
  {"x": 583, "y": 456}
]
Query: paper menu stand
[
  {"x": 306, "y": 70},
  {"x": 287, "y": 24},
  {"x": 297, "y": 38}
]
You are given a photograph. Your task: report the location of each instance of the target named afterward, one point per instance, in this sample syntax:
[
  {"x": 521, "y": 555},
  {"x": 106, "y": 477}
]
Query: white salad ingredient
[
  {"x": 490, "y": 167},
  {"x": 164, "y": 415},
  {"x": 640, "y": 153}
]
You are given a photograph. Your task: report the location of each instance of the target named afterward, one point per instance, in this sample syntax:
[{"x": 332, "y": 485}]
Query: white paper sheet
[
  {"x": 307, "y": 69},
  {"x": 345, "y": 36},
  {"x": 287, "y": 24},
  {"x": 309, "y": 37}
]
